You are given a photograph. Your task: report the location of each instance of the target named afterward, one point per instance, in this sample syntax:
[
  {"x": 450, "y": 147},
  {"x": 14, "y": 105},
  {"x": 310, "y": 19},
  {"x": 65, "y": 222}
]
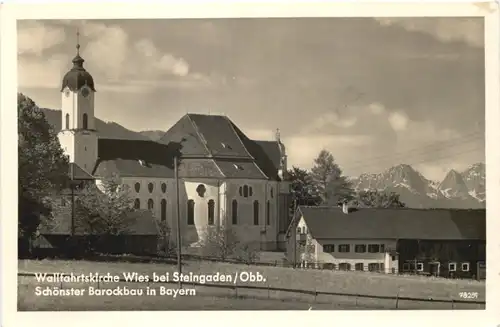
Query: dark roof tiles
[
  {"x": 210, "y": 146},
  {"x": 442, "y": 224}
]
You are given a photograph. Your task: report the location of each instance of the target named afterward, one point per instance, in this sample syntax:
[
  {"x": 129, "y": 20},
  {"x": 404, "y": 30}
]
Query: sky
[{"x": 375, "y": 92}]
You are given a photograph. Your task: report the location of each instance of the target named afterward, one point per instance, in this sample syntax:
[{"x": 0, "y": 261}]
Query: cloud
[
  {"x": 377, "y": 108},
  {"x": 116, "y": 61},
  {"x": 468, "y": 30},
  {"x": 398, "y": 121},
  {"x": 303, "y": 149},
  {"x": 330, "y": 121},
  {"x": 47, "y": 75},
  {"x": 162, "y": 62},
  {"x": 34, "y": 37}
]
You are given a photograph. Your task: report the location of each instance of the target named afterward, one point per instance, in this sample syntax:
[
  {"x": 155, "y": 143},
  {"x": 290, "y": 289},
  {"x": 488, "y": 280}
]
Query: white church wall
[{"x": 245, "y": 229}]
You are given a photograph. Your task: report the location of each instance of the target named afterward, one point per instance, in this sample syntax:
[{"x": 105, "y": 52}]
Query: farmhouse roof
[{"x": 404, "y": 223}]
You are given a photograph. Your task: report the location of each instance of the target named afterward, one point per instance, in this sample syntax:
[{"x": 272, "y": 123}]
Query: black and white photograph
[{"x": 253, "y": 163}]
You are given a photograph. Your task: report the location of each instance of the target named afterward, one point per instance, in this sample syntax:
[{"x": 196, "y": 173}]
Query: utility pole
[
  {"x": 179, "y": 243},
  {"x": 294, "y": 232},
  {"x": 72, "y": 186}
]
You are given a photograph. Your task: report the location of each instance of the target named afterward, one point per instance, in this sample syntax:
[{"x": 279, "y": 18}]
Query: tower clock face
[
  {"x": 66, "y": 93},
  {"x": 85, "y": 92}
]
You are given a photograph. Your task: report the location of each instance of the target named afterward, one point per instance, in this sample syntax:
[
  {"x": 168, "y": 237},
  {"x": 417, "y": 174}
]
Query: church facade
[{"x": 224, "y": 179}]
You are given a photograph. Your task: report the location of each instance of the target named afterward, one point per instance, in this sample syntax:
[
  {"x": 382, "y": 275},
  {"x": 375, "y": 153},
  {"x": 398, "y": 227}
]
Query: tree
[
  {"x": 219, "y": 242},
  {"x": 303, "y": 190},
  {"x": 222, "y": 243},
  {"x": 377, "y": 199},
  {"x": 43, "y": 167},
  {"x": 331, "y": 185},
  {"x": 104, "y": 210}
]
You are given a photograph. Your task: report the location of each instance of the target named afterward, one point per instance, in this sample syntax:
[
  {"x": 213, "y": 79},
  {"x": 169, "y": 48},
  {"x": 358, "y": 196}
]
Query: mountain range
[{"x": 465, "y": 189}]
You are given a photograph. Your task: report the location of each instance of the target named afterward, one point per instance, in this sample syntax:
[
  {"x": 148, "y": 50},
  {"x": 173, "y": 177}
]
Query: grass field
[{"x": 332, "y": 281}]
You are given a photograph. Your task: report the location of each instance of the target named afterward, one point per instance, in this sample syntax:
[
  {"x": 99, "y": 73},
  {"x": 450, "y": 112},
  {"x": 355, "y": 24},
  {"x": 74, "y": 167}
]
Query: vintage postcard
[{"x": 273, "y": 158}]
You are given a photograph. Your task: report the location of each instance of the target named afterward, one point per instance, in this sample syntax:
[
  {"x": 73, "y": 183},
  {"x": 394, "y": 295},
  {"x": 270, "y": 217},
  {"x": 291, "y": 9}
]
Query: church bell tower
[{"x": 78, "y": 136}]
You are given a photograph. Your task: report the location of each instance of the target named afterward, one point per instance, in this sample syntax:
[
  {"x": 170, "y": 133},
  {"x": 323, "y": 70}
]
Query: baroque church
[{"x": 223, "y": 177}]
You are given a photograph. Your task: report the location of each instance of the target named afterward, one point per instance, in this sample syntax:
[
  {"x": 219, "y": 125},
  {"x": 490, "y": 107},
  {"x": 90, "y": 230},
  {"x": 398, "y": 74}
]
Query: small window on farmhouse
[
  {"x": 163, "y": 187},
  {"x": 245, "y": 191},
  {"x": 420, "y": 266},
  {"x": 406, "y": 267},
  {"x": 299, "y": 230},
  {"x": 465, "y": 266},
  {"x": 137, "y": 204},
  {"x": 329, "y": 248},
  {"x": 150, "y": 204},
  {"x": 359, "y": 267},
  {"x": 373, "y": 248},
  {"x": 137, "y": 187},
  {"x": 150, "y": 187},
  {"x": 344, "y": 248},
  {"x": 345, "y": 266},
  {"x": 452, "y": 266},
  {"x": 211, "y": 212},
  {"x": 190, "y": 212},
  {"x": 304, "y": 230},
  {"x": 360, "y": 248}
]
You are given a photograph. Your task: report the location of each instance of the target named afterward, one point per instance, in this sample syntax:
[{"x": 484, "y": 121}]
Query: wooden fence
[{"x": 315, "y": 294}]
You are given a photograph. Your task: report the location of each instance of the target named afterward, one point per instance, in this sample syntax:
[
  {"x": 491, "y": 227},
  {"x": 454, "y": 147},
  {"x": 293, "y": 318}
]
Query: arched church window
[
  {"x": 234, "y": 212},
  {"x": 67, "y": 121},
  {"x": 163, "y": 210},
  {"x": 150, "y": 187},
  {"x": 163, "y": 187},
  {"x": 211, "y": 212},
  {"x": 268, "y": 213},
  {"x": 245, "y": 191},
  {"x": 150, "y": 204},
  {"x": 272, "y": 192},
  {"x": 137, "y": 204},
  {"x": 201, "y": 189},
  {"x": 190, "y": 212},
  {"x": 85, "y": 121},
  {"x": 137, "y": 187},
  {"x": 256, "y": 212}
]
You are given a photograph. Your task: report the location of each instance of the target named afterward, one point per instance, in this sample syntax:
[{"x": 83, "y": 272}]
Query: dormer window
[
  {"x": 238, "y": 167},
  {"x": 142, "y": 162},
  {"x": 225, "y": 146}
]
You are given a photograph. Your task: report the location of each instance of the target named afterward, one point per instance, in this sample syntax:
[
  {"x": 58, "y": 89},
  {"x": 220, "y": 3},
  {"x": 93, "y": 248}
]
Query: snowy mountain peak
[{"x": 456, "y": 190}]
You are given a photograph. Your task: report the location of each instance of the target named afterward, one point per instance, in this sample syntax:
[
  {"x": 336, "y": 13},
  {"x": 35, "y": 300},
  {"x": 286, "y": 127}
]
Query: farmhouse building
[
  {"x": 445, "y": 242},
  {"x": 224, "y": 178}
]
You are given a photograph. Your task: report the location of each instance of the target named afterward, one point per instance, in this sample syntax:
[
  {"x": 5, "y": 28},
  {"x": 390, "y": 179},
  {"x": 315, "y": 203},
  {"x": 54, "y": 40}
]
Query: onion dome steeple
[{"x": 77, "y": 77}]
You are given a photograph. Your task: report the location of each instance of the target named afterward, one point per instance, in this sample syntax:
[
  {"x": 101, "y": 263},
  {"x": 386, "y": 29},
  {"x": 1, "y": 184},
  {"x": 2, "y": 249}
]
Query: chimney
[{"x": 345, "y": 208}]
